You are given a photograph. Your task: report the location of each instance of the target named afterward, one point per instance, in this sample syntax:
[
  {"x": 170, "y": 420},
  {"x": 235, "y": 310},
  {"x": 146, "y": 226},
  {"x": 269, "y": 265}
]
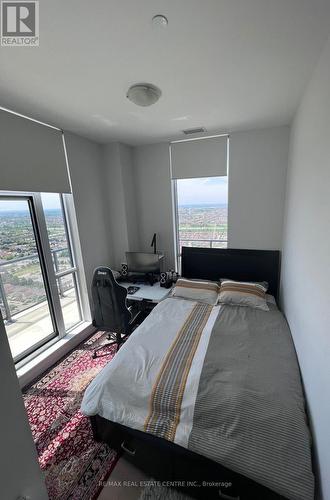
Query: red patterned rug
[{"x": 74, "y": 465}]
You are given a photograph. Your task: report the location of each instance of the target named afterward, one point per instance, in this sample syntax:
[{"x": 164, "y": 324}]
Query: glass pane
[
  {"x": 56, "y": 229},
  {"x": 203, "y": 212},
  {"x": 69, "y": 300},
  {"x": 2, "y": 305},
  {"x": 23, "y": 299}
]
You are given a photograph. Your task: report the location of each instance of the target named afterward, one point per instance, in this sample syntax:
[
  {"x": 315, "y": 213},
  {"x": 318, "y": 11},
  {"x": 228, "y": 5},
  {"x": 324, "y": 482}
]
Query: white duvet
[{"x": 121, "y": 391}]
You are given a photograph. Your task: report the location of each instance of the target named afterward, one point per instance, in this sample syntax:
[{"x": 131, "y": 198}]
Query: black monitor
[{"x": 143, "y": 262}]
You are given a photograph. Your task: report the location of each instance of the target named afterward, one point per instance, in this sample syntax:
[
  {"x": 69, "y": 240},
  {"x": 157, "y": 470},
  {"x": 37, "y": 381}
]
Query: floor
[
  {"x": 124, "y": 482},
  {"x": 131, "y": 473},
  {"x": 152, "y": 464}
]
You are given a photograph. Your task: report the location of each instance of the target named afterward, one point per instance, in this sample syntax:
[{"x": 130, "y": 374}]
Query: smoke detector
[{"x": 143, "y": 94}]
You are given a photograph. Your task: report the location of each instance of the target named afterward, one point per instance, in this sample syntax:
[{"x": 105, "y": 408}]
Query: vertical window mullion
[
  {"x": 77, "y": 258},
  {"x": 67, "y": 231},
  {"x": 75, "y": 274},
  {"x": 55, "y": 299},
  {"x": 176, "y": 224}
]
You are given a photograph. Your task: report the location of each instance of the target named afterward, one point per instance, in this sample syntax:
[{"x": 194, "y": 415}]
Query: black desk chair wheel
[{"x": 111, "y": 313}]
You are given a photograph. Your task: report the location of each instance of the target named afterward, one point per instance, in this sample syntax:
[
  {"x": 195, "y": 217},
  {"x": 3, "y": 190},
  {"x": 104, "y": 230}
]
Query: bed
[{"x": 217, "y": 385}]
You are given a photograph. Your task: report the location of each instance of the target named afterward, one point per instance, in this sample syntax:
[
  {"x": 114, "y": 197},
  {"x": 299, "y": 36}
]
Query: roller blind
[
  {"x": 31, "y": 156},
  {"x": 199, "y": 158}
]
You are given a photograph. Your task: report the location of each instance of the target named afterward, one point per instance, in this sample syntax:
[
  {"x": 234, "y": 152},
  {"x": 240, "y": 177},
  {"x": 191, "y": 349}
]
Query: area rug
[{"x": 74, "y": 465}]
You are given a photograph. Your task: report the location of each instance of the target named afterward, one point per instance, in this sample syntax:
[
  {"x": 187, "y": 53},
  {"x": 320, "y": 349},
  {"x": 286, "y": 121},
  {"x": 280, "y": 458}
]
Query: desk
[{"x": 148, "y": 293}]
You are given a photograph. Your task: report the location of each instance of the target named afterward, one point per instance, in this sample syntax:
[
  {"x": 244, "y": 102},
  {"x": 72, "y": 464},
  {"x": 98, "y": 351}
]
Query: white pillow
[
  {"x": 201, "y": 291},
  {"x": 270, "y": 299},
  {"x": 263, "y": 283},
  {"x": 240, "y": 293}
]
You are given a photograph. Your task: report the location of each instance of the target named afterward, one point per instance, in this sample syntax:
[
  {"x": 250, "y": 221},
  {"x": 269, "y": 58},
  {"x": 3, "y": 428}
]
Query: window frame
[
  {"x": 174, "y": 193},
  {"x": 175, "y": 210},
  {"x": 50, "y": 276}
]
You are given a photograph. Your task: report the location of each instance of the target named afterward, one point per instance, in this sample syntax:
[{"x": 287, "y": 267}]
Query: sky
[
  {"x": 206, "y": 190},
  {"x": 49, "y": 201}
]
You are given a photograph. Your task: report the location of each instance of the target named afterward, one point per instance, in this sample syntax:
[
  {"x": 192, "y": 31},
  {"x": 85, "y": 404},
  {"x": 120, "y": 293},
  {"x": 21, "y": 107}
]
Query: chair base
[{"x": 118, "y": 340}]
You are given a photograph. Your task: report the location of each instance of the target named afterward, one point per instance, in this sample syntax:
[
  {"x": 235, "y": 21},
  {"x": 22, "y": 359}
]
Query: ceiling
[{"x": 222, "y": 64}]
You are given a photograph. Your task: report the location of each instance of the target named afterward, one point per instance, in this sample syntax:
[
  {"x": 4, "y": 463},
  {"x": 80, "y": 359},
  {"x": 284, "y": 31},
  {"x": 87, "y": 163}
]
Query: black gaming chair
[{"x": 110, "y": 310}]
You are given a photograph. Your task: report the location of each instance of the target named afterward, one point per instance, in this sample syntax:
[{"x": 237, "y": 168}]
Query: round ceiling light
[
  {"x": 160, "y": 21},
  {"x": 143, "y": 94}
]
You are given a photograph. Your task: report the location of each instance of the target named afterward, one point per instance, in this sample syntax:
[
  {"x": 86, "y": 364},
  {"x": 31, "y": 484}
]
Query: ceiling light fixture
[
  {"x": 143, "y": 94},
  {"x": 160, "y": 21}
]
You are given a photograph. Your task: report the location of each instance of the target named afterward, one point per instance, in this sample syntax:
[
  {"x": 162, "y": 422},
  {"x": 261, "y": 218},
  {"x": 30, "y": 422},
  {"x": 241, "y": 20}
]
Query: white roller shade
[
  {"x": 31, "y": 156},
  {"x": 199, "y": 158}
]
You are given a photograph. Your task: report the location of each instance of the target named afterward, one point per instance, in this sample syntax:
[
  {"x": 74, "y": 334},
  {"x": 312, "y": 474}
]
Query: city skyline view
[{"x": 202, "y": 211}]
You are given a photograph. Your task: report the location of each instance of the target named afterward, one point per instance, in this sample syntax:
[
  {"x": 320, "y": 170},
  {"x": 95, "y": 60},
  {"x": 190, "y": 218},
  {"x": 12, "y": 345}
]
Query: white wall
[
  {"x": 119, "y": 197},
  {"x": 258, "y": 163},
  {"x": 20, "y": 472},
  {"x": 85, "y": 164},
  {"x": 257, "y": 177},
  {"x": 126, "y": 156},
  {"x": 306, "y": 256},
  {"x": 153, "y": 198}
]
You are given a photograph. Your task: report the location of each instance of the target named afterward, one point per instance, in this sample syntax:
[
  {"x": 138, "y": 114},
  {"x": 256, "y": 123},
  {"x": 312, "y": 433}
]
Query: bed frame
[
  {"x": 212, "y": 264},
  {"x": 241, "y": 265}
]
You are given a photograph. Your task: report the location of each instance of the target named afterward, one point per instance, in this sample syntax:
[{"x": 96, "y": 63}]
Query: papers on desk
[{"x": 154, "y": 293}]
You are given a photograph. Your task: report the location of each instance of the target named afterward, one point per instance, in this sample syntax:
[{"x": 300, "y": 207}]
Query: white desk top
[{"x": 154, "y": 293}]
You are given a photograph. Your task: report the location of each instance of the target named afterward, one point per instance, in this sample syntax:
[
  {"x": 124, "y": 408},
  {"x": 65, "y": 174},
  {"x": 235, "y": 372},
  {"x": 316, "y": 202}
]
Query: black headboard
[{"x": 241, "y": 265}]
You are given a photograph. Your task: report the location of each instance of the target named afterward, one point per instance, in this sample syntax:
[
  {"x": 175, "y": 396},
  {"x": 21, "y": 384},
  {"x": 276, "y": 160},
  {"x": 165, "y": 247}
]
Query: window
[
  {"x": 201, "y": 206},
  {"x": 39, "y": 293},
  {"x": 63, "y": 262}
]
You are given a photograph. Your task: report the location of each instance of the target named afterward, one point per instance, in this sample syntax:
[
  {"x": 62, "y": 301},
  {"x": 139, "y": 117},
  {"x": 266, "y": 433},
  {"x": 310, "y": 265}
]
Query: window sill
[{"x": 32, "y": 369}]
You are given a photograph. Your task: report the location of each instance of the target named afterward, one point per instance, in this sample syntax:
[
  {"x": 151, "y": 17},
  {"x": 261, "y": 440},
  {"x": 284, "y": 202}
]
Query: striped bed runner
[{"x": 167, "y": 393}]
